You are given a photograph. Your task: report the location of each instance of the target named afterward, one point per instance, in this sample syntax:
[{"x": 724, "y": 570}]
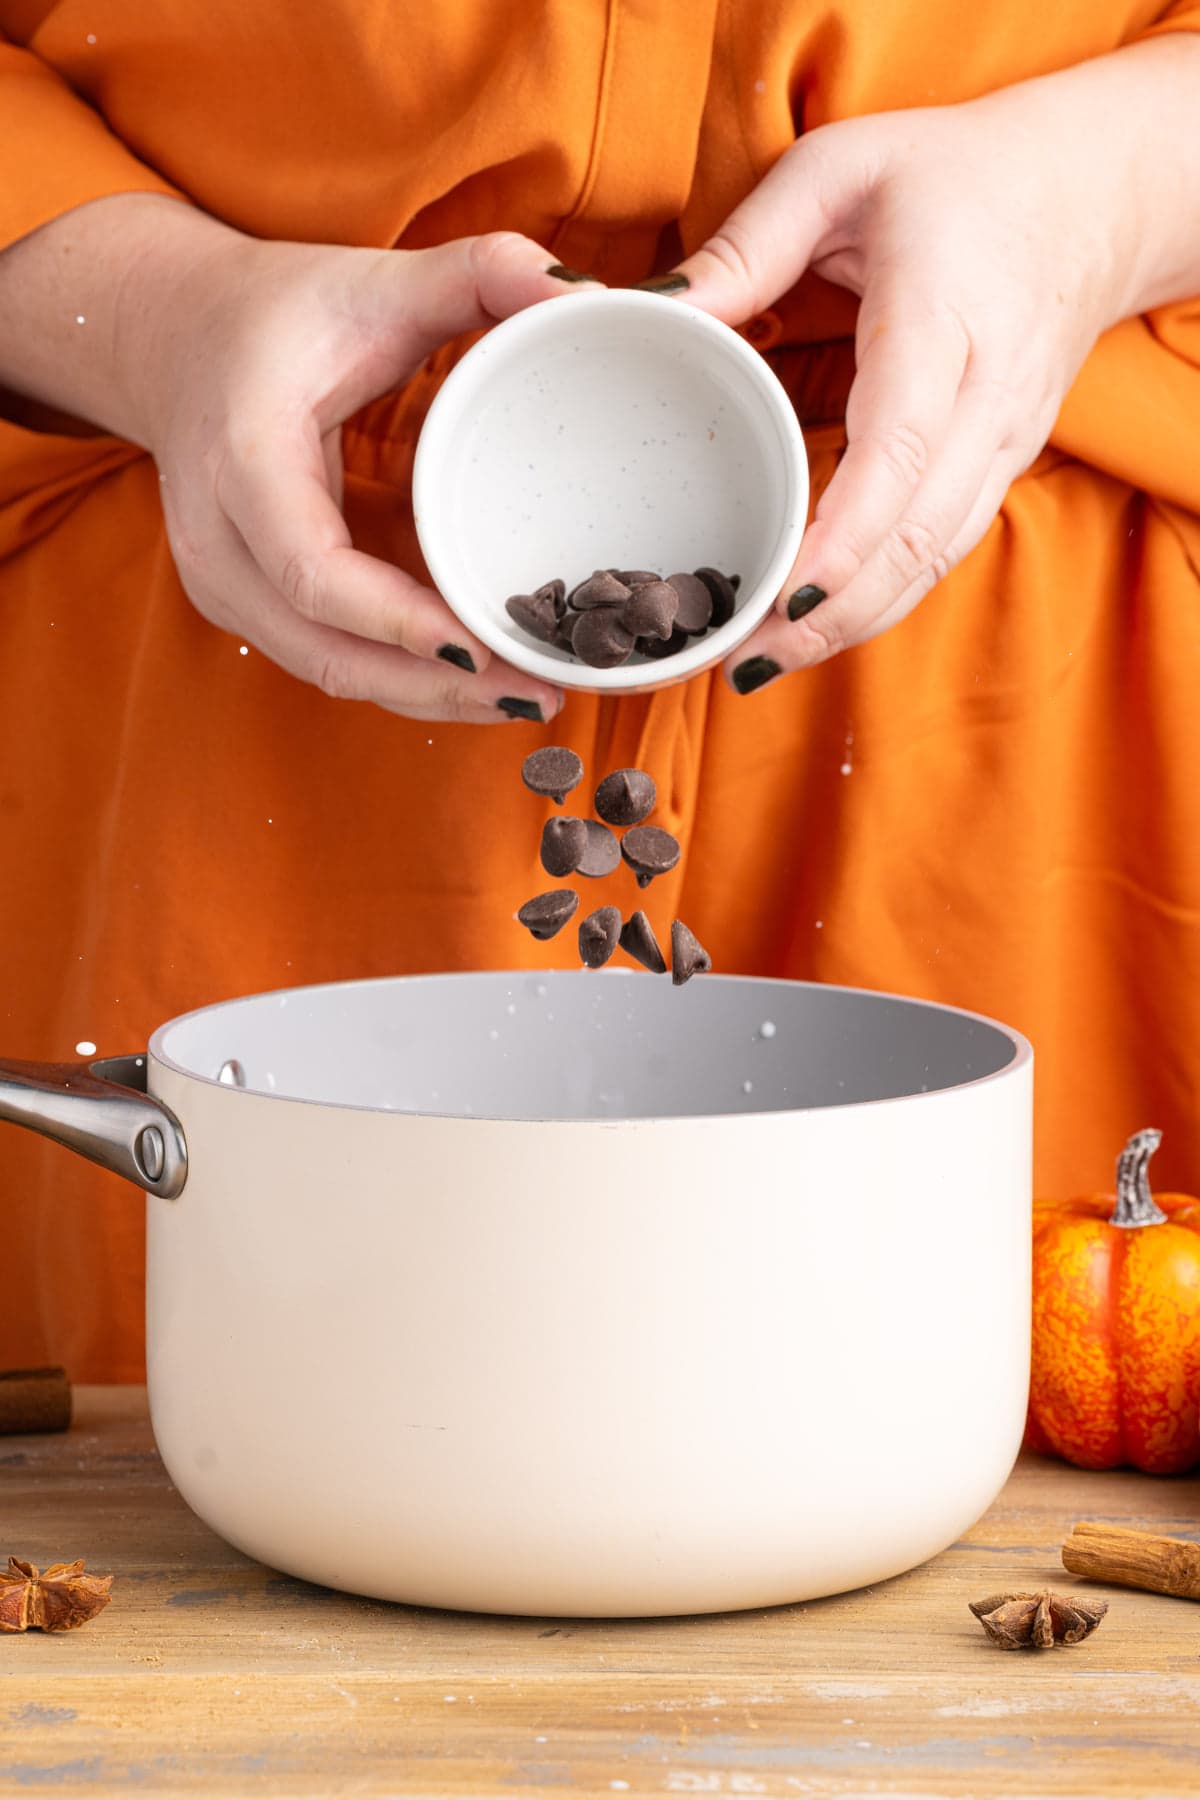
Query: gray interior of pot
[{"x": 578, "y": 1044}]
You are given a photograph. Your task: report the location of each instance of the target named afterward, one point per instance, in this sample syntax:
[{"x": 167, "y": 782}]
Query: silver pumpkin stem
[{"x": 1135, "y": 1203}]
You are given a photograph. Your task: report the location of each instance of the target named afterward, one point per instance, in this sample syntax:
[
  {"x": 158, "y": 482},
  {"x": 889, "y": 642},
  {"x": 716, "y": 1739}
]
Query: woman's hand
[
  {"x": 235, "y": 362},
  {"x": 990, "y": 244}
]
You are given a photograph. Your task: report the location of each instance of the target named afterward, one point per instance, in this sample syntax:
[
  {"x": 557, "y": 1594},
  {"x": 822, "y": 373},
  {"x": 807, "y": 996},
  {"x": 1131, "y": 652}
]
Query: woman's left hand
[{"x": 990, "y": 244}]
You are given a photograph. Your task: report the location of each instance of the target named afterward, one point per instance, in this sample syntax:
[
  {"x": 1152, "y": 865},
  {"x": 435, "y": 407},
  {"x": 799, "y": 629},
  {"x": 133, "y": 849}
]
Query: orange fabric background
[{"x": 994, "y": 805}]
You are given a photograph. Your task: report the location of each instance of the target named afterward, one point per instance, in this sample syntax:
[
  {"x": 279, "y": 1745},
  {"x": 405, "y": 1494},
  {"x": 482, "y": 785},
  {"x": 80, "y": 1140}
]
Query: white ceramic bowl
[{"x": 608, "y": 429}]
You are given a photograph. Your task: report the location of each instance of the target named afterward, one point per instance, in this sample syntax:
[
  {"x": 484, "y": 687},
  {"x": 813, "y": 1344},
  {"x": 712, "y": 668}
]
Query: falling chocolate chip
[
  {"x": 723, "y": 589},
  {"x": 625, "y": 797},
  {"x": 649, "y": 851},
  {"x": 600, "y": 640},
  {"x": 599, "y": 935},
  {"x": 603, "y": 851},
  {"x": 695, "y": 604},
  {"x": 688, "y": 955},
  {"x": 650, "y": 610},
  {"x": 656, "y": 650},
  {"x": 638, "y": 940},
  {"x": 563, "y": 844},
  {"x": 553, "y": 772},
  {"x": 537, "y": 617},
  {"x": 546, "y": 914},
  {"x": 600, "y": 589}
]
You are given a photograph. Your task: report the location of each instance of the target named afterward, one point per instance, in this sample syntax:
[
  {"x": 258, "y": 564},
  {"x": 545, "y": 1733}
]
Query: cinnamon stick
[
  {"x": 34, "y": 1400},
  {"x": 1138, "y": 1559}
]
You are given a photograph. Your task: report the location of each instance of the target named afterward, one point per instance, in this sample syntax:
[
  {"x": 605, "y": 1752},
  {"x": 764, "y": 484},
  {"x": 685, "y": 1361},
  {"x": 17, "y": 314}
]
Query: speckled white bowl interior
[{"x": 608, "y": 429}]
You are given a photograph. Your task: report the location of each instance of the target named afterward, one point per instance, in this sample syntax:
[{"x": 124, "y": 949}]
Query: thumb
[
  {"x": 798, "y": 212},
  {"x": 465, "y": 285}
]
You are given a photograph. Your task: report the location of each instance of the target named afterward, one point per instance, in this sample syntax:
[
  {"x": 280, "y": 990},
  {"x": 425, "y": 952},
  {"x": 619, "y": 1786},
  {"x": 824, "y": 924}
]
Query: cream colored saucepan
[{"x": 576, "y": 1293}]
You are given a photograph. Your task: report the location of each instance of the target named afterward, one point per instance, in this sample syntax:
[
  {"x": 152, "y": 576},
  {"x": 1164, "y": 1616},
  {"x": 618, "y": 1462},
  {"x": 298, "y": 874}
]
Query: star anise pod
[
  {"x": 1037, "y": 1621},
  {"x": 61, "y": 1599}
]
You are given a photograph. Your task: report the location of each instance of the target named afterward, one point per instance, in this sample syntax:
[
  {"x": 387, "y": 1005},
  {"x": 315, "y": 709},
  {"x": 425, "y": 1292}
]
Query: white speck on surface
[
  {"x": 541, "y": 990},
  {"x": 91, "y": 37},
  {"x": 747, "y": 1087},
  {"x": 511, "y": 1009},
  {"x": 539, "y": 1740},
  {"x": 449, "y": 1697},
  {"x": 760, "y": 87},
  {"x": 270, "y": 821},
  {"x": 79, "y": 319},
  {"x": 85, "y": 1047},
  {"x": 623, "y": 1786},
  {"x": 429, "y": 741},
  {"x": 494, "y": 1035},
  {"x": 846, "y": 768},
  {"x": 243, "y": 649},
  {"x": 767, "y": 1028},
  {"x": 819, "y": 924}
]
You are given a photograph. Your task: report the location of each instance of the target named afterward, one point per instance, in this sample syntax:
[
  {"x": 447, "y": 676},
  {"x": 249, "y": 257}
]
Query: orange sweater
[{"x": 995, "y": 804}]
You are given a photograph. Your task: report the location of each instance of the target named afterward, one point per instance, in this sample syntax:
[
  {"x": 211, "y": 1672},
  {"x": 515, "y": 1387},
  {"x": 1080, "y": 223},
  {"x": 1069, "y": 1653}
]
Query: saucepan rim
[{"x": 1021, "y": 1058}]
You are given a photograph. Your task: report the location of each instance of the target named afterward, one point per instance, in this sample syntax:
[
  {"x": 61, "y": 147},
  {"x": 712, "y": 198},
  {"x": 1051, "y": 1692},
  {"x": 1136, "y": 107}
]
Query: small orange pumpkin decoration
[{"x": 1116, "y": 1324}]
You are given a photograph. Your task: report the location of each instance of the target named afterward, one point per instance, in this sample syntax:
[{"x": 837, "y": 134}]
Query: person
[{"x": 241, "y": 249}]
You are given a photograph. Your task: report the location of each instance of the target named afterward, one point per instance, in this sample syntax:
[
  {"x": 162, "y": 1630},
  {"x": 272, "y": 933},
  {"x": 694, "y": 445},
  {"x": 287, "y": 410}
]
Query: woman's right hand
[{"x": 235, "y": 361}]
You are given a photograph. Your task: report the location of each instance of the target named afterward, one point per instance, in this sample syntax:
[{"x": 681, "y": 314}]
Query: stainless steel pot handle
[{"x": 102, "y": 1110}]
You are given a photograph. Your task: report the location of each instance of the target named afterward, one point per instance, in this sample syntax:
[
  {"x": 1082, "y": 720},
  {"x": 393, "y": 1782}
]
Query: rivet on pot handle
[{"x": 102, "y": 1110}]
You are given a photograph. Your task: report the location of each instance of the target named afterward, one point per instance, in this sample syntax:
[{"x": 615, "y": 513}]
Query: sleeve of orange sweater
[{"x": 56, "y": 152}]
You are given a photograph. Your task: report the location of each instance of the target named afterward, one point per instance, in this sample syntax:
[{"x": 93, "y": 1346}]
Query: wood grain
[{"x": 210, "y": 1674}]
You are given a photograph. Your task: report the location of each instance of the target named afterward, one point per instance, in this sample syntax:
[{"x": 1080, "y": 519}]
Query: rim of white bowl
[{"x": 441, "y": 422}]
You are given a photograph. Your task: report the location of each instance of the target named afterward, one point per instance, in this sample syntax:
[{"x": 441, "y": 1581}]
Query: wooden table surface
[{"x": 210, "y": 1674}]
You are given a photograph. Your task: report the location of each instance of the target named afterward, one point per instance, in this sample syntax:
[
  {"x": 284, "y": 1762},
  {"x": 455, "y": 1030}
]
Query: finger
[
  {"x": 281, "y": 506},
  {"x": 916, "y": 544},
  {"x": 416, "y": 300},
  {"x": 236, "y": 596},
  {"x": 779, "y": 647},
  {"x": 797, "y": 212},
  {"x": 912, "y": 358}
]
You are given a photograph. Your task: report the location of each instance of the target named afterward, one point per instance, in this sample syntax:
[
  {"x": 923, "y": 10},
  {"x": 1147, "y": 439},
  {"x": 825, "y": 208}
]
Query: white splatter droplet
[
  {"x": 79, "y": 319},
  {"x": 767, "y": 1028},
  {"x": 846, "y": 768},
  {"x": 91, "y": 37},
  {"x": 85, "y": 1047},
  {"x": 747, "y": 1087},
  {"x": 243, "y": 649}
]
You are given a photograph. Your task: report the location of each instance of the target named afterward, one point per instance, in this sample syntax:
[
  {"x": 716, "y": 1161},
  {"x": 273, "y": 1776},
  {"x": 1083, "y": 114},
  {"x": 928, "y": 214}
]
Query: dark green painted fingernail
[
  {"x": 755, "y": 672},
  {"x": 462, "y": 659},
  {"x": 803, "y": 601},
  {"x": 664, "y": 284},
  {"x": 560, "y": 272},
  {"x": 521, "y": 709}
]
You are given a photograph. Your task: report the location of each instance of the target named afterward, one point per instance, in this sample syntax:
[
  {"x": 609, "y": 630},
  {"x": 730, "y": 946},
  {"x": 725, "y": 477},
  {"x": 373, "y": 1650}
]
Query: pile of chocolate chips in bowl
[
  {"x": 617, "y": 613},
  {"x": 578, "y": 846}
]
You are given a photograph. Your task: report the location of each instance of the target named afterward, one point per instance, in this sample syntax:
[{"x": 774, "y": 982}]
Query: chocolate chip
[
  {"x": 656, "y": 650},
  {"x": 600, "y": 589},
  {"x": 649, "y": 851},
  {"x": 723, "y": 590},
  {"x": 636, "y": 577},
  {"x": 553, "y": 772},
  {"x": 695, "y": 603},
  {"x": 638, "y": 940},
  {"x": 598, "y": 936},
  {"x": 603, "y": 851},
  {"x": 650, "y": 610},
  {"x": 556, "y": 593},
  {"x": 563, "y": 844},
  {"x": 600, "y": 640},
  {"x": 546, "y": 914},
  {"x": 625, "y": 797},
  {"x": 688, "y": 955},
  {"x": 537, "y": 617}
]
